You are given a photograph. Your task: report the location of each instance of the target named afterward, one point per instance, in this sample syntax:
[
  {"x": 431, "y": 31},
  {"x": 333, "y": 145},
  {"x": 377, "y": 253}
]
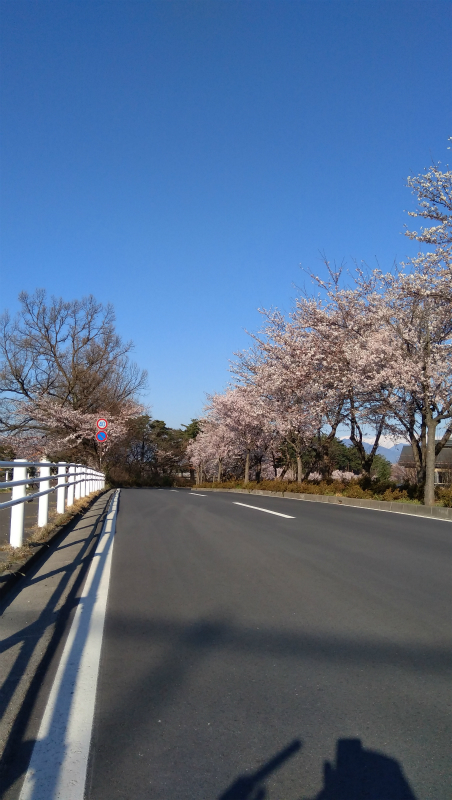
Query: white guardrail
[{"x": 73, "y": 482}]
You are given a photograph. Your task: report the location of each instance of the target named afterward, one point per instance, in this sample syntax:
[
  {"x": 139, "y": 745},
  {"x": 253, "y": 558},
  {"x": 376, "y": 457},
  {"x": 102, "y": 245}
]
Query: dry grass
[
  {"x": 12, "y": 557},
  {"x": 444, "y": 496},
  {"x": 362, "y": 489}
]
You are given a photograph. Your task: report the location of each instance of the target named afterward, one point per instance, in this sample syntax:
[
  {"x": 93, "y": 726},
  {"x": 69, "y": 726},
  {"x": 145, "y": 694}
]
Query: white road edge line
[
  {"x": 267, "y": 510},
  {"x": 382, "y": 510},
  {"x": 59, "y": 760},
  {"x": 196, "y": 494}
]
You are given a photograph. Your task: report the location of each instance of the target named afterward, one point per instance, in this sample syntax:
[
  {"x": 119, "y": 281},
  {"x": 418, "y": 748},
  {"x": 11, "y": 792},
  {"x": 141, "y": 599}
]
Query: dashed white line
[
  {"x": 196, "y": 494},
  {"x": 267, "y": 510}
]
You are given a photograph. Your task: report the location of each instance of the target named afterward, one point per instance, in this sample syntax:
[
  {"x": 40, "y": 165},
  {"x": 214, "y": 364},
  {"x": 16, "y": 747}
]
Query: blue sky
[{"x": 183, "y": 159}]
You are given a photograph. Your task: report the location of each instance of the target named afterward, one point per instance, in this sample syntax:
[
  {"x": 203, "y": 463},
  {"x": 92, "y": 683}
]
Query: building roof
[{"x": 443, "y": 459}]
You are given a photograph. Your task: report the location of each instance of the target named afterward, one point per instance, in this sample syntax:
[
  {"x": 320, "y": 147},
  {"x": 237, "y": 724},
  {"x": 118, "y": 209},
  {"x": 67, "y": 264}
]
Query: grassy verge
[
  {"x": 11, "y": 557},
  {"x": 362, "y": 490}
]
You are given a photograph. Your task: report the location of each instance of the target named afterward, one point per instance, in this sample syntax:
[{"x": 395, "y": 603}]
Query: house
[{"x": 443, "y": 462}]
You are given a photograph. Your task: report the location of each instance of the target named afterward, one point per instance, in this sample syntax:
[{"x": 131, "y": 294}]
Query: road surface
[{"x": 303, "y": 653}]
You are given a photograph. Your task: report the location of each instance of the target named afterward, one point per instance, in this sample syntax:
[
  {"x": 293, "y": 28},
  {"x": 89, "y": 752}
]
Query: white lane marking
[
  {"x": 383, "y": 510},
  {"x": 59, "y": 760},
  {"x": 267, "y": 510},
  {"x": 174, "y": 490},
  {"x": 196, "y": 494}
]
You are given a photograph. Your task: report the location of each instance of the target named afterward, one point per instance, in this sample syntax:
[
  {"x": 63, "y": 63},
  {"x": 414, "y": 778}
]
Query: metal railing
[{"x": 73, "y": 481}]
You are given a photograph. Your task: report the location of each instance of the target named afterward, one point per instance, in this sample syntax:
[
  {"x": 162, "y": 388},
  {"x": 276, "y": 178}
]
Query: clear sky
[{"x": 183, "y": 159}]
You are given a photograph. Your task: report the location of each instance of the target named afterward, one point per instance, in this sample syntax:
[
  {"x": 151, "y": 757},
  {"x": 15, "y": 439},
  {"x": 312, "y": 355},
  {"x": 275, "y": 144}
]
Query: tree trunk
[
  {"x": 199, "y": 475},
  {"x": 299, "y": 470},
  {"x": 247, "y": 467},
  {"x": 429, "y": 489},
  {"x": 219, "y": 470},
  {"x": 357, "y": 441},
  {"x": 258, "y": 470},
  {"x": 275, "y": 468},
  {"x": 419, "y": 463}
]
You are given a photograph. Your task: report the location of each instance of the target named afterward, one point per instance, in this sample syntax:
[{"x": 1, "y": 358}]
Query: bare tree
[{"x": 66, "y": 351}]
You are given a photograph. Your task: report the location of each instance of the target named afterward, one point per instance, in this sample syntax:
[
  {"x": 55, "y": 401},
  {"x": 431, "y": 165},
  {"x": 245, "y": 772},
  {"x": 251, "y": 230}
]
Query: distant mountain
[{"x": 391, "y": 453}]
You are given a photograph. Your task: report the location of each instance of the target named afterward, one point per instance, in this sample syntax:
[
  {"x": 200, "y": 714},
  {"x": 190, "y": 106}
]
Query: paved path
[
  {"x": 243, "y": 650},
  {"x": 34, "y": 619}
]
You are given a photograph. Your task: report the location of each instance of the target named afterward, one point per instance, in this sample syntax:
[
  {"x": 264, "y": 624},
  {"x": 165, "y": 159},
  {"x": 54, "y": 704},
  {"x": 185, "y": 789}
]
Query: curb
[
  {"x": 431, "y": 512},
  {"x": 9, "y": 579}
]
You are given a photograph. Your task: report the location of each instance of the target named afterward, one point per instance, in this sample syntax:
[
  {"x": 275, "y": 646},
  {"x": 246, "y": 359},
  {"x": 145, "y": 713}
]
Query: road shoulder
[{"x": 35, "y": 618}]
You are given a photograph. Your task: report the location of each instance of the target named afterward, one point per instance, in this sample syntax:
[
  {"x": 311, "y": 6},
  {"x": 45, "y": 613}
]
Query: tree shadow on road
[
  {"x": 172, "y": 651},
  {"x": 358, "y": 774}
]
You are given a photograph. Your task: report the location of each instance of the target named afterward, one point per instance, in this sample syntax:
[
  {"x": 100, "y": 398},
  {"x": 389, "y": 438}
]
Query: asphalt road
[{"x": 249, "y": 655}]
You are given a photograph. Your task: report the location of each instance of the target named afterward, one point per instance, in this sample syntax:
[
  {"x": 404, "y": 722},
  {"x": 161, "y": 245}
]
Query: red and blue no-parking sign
[{"x": 101, "y": 436}]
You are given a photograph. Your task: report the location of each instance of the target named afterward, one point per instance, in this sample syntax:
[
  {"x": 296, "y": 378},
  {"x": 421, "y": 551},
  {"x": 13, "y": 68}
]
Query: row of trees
[
  {"x": 151, "y": 453},
  {"x": 373, "y": 355}
]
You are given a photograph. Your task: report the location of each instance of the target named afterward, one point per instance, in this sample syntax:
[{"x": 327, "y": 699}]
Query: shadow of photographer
[
  {"x": 361, "y": 774},
  {"x": 358, "y": 774}
]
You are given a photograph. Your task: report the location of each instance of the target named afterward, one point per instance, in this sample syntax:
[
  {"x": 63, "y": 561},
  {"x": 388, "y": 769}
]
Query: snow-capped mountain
[{"x": 391, "y": 453}]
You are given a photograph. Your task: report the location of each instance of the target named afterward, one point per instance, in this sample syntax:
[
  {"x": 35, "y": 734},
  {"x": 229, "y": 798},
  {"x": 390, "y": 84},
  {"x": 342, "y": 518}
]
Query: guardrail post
[
  {"x": 70, "y": 489},
  {"x": 78, "y": 485},
  {"x": 43, "y": 507},
  {"x": 16, "y": 534},
  {"x": 83, "y": 483},
  {"x": 61, "y": 490}
]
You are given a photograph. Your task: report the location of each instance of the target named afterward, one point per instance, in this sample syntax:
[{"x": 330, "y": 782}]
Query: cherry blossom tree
[
  {"x": 433, "y": 190},
  {"x": 306, "y": 403},
  {"x": 386, "y": 346},
  {"x": 236, "y": 428},
  {"x": 345, "y": 360},
  {"x": 287, "y": 398},
  {"x": 416, "y": 307},
  {"x": 60, "y": 429},
  {"x": 417, "y": 315},
  {"x": 245, "y": 416},
  {"x": 210, "y": 450}
]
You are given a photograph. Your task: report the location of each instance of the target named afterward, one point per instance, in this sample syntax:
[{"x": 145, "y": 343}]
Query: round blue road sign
[{"x": 101, "y": 436}]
